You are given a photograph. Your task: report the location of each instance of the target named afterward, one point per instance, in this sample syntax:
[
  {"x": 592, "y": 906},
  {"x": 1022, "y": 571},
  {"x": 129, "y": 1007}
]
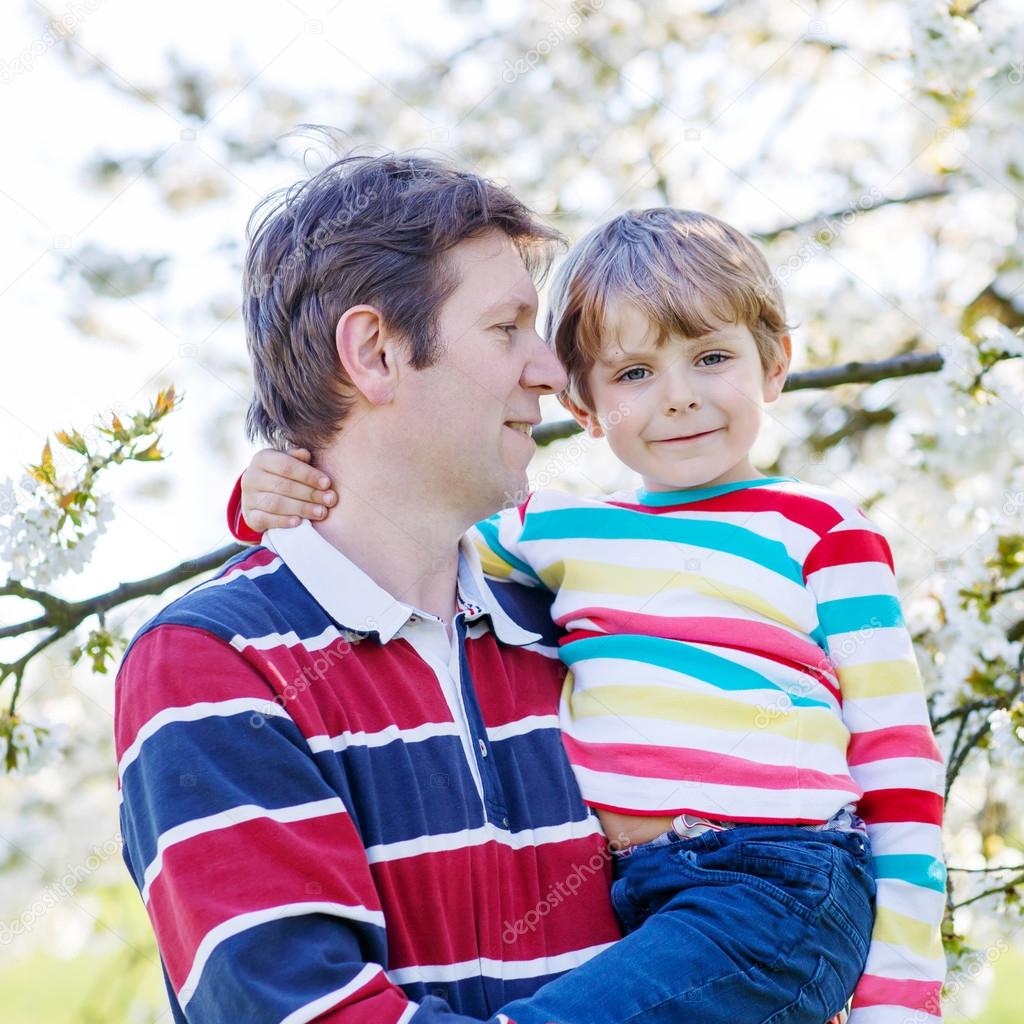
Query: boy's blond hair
[{"x": 683, "y": 269}]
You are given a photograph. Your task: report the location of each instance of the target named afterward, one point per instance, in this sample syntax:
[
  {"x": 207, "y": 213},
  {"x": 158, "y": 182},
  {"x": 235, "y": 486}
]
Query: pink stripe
[
  {"x": 687, "y": 764},
  {"x": 916, "y": 995},
  {"x": 894, "y": 741},
  {"x": 758, "y": 638}
]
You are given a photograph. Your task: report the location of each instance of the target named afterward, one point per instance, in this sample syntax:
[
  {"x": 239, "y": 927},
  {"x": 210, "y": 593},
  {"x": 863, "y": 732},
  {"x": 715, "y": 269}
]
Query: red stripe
[
  {"x": 178, "y": 656},
  {"x": 759, "y": 639},
  {"x": 848, "y": 547},
  {"x": 251, "y": 866},
  {"x": 917, "y": 995},
  {"x": 894, "y": 741},
  {"x": 881, "y": 805},
  {"x": 807, "y": 511},
  {"x": 510, "y": 690},
  {"x": 690, "y": 765},
  {"x": 554, "y": 899}
]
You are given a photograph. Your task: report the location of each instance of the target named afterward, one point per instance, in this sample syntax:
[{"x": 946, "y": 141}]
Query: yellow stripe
[
  {"x": 590, "y": 577},
  {"x": 898, "y": 929},
  {"x": 661, "y": 702},
  {"x": 491, "y": 563},
  {"x": 879, "y": 679}
]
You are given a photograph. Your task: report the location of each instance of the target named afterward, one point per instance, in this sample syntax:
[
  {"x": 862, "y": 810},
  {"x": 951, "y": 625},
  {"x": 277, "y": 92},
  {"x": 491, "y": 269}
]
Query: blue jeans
[{"x": 759, "y": 924}]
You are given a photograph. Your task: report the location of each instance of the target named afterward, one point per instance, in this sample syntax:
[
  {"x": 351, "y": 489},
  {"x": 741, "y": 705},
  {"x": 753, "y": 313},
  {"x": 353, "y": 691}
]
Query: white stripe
[
  {"x": 243, "y": 922},
  {"x": 410, "y": 1011},
  {"x": 883, "y": 957},
  {"x": 484, "y": 834},
  {"x": 866, "y": 646},
  {"x": 866, "y": 714},
  {"x": 888, "y": 837},
  {"x": 314, "y": 1009},
  {"x": 657, "y": 796},
  {"x": 194, "y": 713},
  {"x": 251, "y": 574},
  {"x": 891, "y": 1015},
  {"x": 522, "y": 726},
  {"x": 225, "y": 819},
  {"x": 916, "y": 901},
  {"x": 506, "y": 970},
  {"x": 905, "y": 772},
  {"x": 383, "y": 737},
  {"x": 291, "y": 639},
  {"x": 854, "y": 579}
]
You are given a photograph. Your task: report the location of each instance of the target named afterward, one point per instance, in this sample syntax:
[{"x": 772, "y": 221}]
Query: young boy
[{"x": 743, "y": 708}]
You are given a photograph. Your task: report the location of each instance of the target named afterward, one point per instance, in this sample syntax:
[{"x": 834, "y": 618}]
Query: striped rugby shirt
[
  {"x": 335, "y": 812},
  {"x": 739, "y": 652}
]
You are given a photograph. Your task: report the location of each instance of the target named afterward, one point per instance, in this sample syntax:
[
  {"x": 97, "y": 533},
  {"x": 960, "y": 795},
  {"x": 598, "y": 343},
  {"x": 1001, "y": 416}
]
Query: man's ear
[
  {"x": 584, "y": 417},
  {"x": 776, "y": 377},
  {"x": 368, "y": 353}
]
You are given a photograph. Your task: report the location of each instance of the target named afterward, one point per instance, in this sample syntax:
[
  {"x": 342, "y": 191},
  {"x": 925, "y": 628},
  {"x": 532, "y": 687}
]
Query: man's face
[
  {"x": 684, "y": 414},
  {"x": 469, "y": 414}
]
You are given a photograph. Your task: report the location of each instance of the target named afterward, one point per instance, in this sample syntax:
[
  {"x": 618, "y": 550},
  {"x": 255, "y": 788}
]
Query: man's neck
[{"x": 406, "y": 543}]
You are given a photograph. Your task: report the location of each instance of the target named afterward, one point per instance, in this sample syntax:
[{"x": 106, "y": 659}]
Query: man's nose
[{"x": 543, "y": 371}]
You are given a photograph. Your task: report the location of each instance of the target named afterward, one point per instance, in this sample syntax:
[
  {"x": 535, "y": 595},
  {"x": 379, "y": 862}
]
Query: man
[{"x": 344, "y": 793}]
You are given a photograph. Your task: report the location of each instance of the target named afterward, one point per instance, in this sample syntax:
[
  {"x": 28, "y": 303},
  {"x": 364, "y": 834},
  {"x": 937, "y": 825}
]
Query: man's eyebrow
[{"x": 508, "y": 306}]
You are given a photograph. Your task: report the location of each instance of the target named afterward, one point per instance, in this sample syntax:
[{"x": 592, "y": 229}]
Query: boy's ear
[
  {"x": 368, "y": 353},
  {"x": 584, "y": 417},
  {"x": 776, "y": 377}
]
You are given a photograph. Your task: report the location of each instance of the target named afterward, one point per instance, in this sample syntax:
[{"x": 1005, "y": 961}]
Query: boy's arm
[
  {"x": 252, "y": 872},
  {"x": 278, "y": 489},
  {"x": 893, "y": 757},
  {"x": 497, "y": 540}
]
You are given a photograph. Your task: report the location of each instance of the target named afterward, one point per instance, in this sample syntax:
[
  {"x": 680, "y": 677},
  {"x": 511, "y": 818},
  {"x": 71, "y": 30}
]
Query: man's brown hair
[
  {"x": 681, "y": 268},
  {"x": 365, "y": 229}
]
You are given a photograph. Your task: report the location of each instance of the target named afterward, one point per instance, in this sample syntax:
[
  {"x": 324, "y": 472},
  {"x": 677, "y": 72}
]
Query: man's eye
[{"x": 506, "y": 327}]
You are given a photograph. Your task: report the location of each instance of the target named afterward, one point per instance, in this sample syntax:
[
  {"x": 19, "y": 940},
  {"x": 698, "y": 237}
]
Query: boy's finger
[
  {"x": 291, "y": 489},
  {"x": 265, "y": 521},
  {"x": 279, "y": 505},
  {"x": 282, "y": 464},
  {"x": 300, "y": 453}
]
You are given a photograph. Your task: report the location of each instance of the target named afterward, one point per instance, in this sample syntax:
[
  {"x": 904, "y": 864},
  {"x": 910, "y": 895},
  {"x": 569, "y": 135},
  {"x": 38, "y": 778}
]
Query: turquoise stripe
[
  {"x": 489, "y": 531},
  {"x": 848, "y": 614},
  {"x": 681, "y": 497},
  {"x": 915, "y": 868},
  {"x": 679, "y": 657},
  {"x": 626, "y": 524}
]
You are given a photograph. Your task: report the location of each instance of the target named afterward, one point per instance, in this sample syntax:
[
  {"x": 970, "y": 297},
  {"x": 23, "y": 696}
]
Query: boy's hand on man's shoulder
[{"x": 280, "y": 489}]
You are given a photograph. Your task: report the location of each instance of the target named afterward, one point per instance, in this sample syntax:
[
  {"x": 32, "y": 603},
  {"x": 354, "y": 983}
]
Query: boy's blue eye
[
  {"x": 721, "y": 356},
  {"x": 633, "y": 369}
]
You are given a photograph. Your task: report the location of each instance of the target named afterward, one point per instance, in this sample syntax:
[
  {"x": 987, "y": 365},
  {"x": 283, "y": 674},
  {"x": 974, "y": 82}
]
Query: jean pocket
[{"x": 803, "y": 871}]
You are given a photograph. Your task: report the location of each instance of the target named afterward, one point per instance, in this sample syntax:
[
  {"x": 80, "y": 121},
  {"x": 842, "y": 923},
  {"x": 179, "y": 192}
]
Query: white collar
[{"x": 359, "y": 604}]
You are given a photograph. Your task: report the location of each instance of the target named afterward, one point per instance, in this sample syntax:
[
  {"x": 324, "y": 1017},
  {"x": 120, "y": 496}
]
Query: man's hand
[{"x": 280, "y": 489}]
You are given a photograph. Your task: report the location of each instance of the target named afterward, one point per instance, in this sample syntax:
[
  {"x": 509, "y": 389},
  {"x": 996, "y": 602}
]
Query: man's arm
[
  {"x": 252, "y": 871},
  {"x": 893, "y": 757}
]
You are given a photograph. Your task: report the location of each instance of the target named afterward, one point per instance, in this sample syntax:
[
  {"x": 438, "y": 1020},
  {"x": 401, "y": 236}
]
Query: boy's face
[{"x": 685, "y": 414}]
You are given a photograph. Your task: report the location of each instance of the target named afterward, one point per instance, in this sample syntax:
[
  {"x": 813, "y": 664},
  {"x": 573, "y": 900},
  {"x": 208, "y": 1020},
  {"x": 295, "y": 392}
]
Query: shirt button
[
  {"x": 483, "y": 748},
  {"x": 504, "y": 822}
]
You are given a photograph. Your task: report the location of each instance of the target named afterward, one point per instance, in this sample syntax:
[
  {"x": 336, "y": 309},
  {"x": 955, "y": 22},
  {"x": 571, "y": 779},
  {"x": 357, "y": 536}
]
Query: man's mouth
[{"x": 520, "y": 425}]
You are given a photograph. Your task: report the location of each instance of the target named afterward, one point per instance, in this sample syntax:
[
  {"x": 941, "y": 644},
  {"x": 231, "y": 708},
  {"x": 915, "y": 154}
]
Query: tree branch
[
  {"x": 70, "y": 614},
  {"x": 936, "y": 192}
]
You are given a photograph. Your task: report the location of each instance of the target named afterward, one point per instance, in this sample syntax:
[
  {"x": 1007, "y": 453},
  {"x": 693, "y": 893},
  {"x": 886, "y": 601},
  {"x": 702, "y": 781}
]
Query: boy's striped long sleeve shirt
[{"x": 740, "y": 652}]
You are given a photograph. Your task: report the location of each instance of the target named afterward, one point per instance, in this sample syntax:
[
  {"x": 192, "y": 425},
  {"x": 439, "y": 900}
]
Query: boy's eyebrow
[{"x": 689, "y": 342}]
